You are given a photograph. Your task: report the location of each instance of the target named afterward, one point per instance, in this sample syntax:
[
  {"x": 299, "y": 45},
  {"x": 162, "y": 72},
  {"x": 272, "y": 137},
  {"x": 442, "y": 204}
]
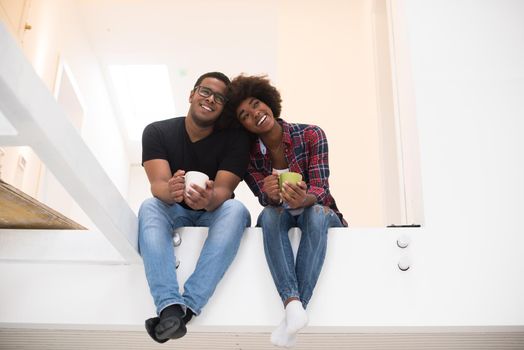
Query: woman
[{"x": 277, "y": 147}]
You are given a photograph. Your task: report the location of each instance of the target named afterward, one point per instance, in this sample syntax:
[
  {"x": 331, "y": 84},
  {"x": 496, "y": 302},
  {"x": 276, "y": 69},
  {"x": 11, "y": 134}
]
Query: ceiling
[{"x": 191, "y": 38}]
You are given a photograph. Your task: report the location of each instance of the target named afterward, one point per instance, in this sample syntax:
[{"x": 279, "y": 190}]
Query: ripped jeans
[{"x": 296, "y": 279}]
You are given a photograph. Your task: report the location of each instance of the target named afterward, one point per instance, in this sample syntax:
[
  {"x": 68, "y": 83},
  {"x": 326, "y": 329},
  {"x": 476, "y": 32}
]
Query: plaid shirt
[{"x": 306, "y": 152}]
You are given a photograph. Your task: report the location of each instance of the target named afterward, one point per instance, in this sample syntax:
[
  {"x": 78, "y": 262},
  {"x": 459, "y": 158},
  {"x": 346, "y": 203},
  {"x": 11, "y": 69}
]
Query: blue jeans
[
  {"x": 157, "y": 221},
  {"x": 296, "y": 279}
]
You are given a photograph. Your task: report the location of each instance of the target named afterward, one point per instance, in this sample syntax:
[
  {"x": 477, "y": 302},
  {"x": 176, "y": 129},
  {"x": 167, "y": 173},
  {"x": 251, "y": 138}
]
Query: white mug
[{"x": 197, "y": 178}]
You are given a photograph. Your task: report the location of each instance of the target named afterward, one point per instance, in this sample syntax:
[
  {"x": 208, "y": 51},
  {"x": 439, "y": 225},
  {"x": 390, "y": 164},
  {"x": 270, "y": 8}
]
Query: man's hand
[
  {"x": 271, "y": 188},
  {"x": 176, "y": 186},
  {"x": 199, "y": 198},
  {"x": 294, "y": 194}
]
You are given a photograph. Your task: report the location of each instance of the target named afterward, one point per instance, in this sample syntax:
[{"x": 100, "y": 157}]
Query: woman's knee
[
  {"x": 270, "y": 215},
  {"x": 275, "y": 220},
  {"x": 318, "y": 212},
  {"x": 317, "y": 217}
]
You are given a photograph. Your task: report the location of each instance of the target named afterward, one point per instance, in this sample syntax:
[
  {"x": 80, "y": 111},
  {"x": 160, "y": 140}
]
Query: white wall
[
  {"x": 469, "y": 86},
  {"x": 312, "y": 51},
  {"x": 469, "y": 83},
  {"x": 325, "y": 58},
  {"x": 326, "y": 75}
]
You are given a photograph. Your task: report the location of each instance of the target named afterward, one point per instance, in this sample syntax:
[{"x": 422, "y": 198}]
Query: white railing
[{"x": 28, "y": 106}]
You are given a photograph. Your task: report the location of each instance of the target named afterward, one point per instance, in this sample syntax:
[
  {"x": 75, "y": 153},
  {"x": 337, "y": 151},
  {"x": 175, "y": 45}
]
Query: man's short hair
[{"x": 217, "y": 75}]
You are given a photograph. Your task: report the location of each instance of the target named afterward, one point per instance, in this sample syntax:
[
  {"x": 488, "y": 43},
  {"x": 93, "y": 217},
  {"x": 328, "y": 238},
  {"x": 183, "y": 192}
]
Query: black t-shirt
[{"x": 222, "y": 150}]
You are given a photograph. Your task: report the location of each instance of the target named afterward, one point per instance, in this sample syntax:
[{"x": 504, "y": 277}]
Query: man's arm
[
  {"x": 215, "y": 193},
  {"x": 167, "y": 188}
]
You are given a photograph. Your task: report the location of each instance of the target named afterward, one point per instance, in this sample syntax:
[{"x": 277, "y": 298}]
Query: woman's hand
[{"x": 294, "y": 195}]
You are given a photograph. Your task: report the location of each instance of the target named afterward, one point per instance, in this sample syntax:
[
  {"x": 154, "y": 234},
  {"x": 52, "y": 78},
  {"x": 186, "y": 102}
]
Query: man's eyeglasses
[{"x": 207, "y": 92}]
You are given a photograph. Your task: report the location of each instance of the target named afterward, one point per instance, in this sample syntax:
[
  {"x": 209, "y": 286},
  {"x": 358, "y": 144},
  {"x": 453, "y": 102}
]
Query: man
[{"x": 170, "y": 148}]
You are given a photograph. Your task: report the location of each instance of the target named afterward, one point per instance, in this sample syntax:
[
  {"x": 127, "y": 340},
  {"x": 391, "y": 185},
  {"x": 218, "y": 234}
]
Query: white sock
[
  {"x": 296, "y": 317},
  {"x": 280, "y": 337}
]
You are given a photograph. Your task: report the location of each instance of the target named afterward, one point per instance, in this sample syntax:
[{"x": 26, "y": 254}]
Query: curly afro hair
[{"x": 259, "y": 87}]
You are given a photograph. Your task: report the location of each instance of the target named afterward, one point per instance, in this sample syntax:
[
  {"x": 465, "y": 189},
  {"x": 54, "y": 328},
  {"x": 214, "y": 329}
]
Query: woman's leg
[
  {"x": 275, "y": 223},
  {"x": 314, "y": 223}
]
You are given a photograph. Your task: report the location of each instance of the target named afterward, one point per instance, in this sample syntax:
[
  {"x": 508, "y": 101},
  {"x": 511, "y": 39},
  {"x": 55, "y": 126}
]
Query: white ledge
[{"x": 361, "y": 288}]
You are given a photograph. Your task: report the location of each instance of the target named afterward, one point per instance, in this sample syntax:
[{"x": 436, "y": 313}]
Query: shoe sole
[{"x": 175, "y": 331}]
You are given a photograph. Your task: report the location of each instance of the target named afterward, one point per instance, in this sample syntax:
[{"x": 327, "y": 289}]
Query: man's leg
[
  {"x": 156, "y": 223},
  {"x": 226, "y": 227}
]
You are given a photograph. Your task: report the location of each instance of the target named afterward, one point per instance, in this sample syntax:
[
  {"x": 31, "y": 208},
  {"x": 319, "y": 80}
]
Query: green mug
[{"x": 290, "y": 177}]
